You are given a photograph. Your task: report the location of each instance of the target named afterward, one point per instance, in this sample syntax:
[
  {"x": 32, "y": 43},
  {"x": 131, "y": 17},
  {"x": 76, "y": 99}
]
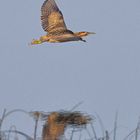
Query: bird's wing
[{"x": 51, "y": 17}]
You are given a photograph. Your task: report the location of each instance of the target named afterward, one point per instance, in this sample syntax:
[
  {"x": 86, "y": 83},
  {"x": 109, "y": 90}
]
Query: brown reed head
[{"x": 56, "y": 122}]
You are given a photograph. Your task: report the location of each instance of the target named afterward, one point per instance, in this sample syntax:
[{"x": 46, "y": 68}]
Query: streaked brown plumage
[{"x": 53, "y": 23}]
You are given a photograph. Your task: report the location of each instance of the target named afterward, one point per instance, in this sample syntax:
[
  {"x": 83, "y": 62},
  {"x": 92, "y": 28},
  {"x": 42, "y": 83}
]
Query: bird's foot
[{"x": 35, "y": 42}]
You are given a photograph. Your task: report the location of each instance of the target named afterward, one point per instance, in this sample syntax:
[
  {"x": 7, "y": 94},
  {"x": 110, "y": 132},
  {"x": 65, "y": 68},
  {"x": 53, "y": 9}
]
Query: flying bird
[{"x": 53, "y": 23}]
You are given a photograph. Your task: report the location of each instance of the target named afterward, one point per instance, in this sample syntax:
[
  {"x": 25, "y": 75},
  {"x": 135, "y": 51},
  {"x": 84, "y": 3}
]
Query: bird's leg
[
  {"x": 42, "y": 39},
  {"x": 35, "y": 41}
]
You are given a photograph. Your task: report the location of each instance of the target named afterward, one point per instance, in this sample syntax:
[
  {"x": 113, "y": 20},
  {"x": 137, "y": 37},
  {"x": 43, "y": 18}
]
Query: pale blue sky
[{"x": 104, "y": 72}]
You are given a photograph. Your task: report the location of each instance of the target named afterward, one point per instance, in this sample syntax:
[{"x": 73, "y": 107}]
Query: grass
[{"x": 56, "y": 124}]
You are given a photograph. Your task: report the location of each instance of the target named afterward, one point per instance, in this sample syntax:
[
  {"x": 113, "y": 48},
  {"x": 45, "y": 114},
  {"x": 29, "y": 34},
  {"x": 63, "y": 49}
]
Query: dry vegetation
[{"x": 55, "y": 125}]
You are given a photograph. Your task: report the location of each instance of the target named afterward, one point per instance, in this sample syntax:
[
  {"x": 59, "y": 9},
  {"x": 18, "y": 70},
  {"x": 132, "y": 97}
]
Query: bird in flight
[{"x": 53, "y": 23}]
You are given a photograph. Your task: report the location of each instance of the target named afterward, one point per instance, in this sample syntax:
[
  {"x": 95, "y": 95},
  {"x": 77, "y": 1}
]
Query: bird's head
[{"x": 84, "y": 33}]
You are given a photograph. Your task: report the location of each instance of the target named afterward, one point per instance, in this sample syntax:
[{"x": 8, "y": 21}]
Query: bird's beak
[{"x": 91, "y": 33}]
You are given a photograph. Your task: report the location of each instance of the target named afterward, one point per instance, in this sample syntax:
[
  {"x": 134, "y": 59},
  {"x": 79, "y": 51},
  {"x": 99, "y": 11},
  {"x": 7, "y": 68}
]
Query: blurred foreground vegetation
[{"x": 64, "y": 125}]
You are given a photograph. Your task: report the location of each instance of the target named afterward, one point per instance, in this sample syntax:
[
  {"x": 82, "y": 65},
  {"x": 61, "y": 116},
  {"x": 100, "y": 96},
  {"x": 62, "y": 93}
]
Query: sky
[{"x": 103, "y": 73}]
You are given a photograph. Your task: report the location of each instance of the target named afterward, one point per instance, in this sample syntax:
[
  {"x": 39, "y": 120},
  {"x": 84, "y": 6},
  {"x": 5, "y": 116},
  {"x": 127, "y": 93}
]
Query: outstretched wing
[{"x": 51, "y": 17}]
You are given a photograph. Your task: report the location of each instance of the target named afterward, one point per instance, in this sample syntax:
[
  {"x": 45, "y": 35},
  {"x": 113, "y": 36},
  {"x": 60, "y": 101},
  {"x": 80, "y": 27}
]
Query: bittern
[{"x": 53, "y": 23}]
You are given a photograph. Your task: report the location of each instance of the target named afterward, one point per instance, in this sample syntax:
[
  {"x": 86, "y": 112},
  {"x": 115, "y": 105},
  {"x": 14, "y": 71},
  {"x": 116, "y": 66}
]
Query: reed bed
[{"x": 57, "y": 123}]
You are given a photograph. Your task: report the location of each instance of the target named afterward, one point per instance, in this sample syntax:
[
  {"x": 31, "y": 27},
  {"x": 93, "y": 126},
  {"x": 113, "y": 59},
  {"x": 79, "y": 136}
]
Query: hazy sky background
[{"x": 104, "y": 72}]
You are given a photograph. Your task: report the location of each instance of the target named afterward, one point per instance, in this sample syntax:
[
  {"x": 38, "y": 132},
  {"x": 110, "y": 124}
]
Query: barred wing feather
[{"x": 51, "y": 17}]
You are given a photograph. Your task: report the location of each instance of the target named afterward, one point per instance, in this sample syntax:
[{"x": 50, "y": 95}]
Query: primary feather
[{"x": 52, "y": 18}]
